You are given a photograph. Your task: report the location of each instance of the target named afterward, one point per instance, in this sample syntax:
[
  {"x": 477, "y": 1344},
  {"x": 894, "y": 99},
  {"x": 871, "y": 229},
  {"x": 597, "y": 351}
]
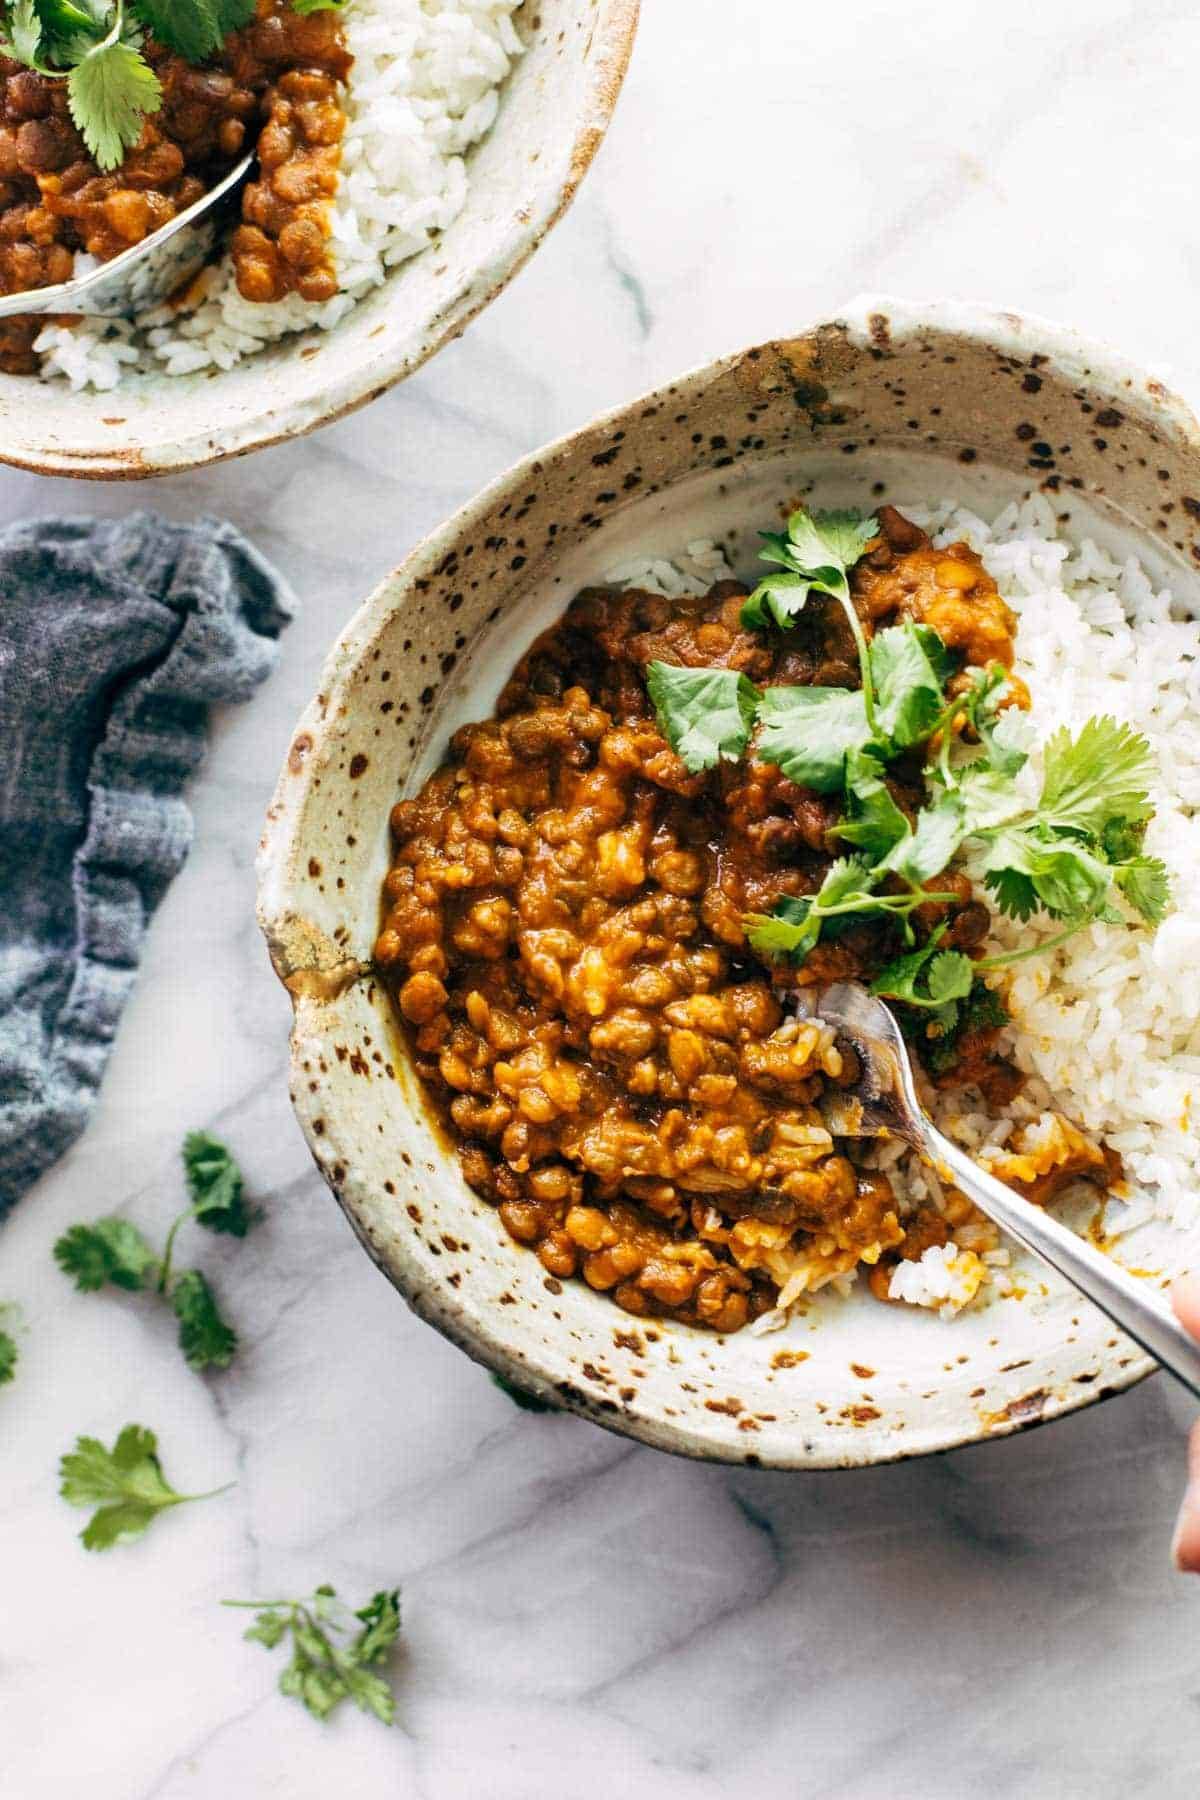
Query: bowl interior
[
  {"x": 554, "y": 109},
  {"x": 828, "y": 416}
]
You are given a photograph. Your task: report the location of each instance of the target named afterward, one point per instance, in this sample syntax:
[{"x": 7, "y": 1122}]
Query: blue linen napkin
[{"x": 116, "y": 636}]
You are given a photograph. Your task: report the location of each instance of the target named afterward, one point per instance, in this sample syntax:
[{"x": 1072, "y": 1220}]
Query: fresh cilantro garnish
[
  {"x": 206, "y": 1340},
  {"x": 192, "y": 29},
  {"x": 704, "y": 714},
  {"x": 522, "y": 1397},
  {"x": 927, "y": 977},
  {"x": 1029, "y": 870},
  {"x": 1056, "y": 858},
  {"x": 109, "y": 1250},
  {"x": 1144, "y": 882},
  {"x": 126, "y": 1484},
  {"x": 941, "y": 1044},
  {"x": 874, "y": 822},
  {"x": 927, "y": 849},
  {"x": 113, "y": 1252},
  {"x": 96, "y": 47},
  {"x": 215, "y": 1184},
  {"x": 1096, "y": 780},
  {"x": 909, "y": 665},
  {"x": 808, "y": 732},
  {"x": 793, "y": 926},
  {"x": 110, "y": 90},
  {"x": 817, "y": 552},
  {"x": 327, "y": 1664},
  {"x": 9, "y": 1354}
]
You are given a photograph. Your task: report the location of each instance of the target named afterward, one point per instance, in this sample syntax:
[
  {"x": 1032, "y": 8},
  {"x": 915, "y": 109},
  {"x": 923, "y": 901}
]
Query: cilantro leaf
[
  {"x": 820, "y": 548},
  {"x": 790, "y": 929},
  {"x": 909, "y": 664},
  {"x": 826, "y": 545},
  {"x": 777, "y": 600},
  {"x": 704, "y": 714},
  {"x": 25, "y": 31},
  {"x": 983, "y": 713},
  {"x": 987, "y": 795},
  {"x": 304, "y": 7},
  {"x": 1146, "y": 885},
  {"x": 793, "y": 925},
  {"x": 8, "y": 1357},
  {"x": 940, "y": 830},
  {"x": 875, "y": 822},
  {"x": 325, "y": 1668},
  {"x": 215, "y": 1184},
  {"x": 206, "y": 1340},
  {"x": 949, "y": 977},
  {"x": 126, "y": 1484},
  {"x": 927, "y": 977},
  {"x": 1067, "y": 880},
  {"x": 381, "y": 1626},
  {"x": 809, "y": 731},
  {"x": 1013, "y": 892},
  {"x": 1096, "y": 779},
  {"x": 110, "y": 91},
  {"x": 108, "y": 1250},
  {"x": 982, "y": 1010},
  {"x": 189, "y": 27}
]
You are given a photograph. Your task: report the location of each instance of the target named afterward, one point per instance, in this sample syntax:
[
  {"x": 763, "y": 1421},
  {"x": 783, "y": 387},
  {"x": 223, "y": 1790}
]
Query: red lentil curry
[
  {"x": 274, "y": 84},
  {"x": 565, "y": 933}
]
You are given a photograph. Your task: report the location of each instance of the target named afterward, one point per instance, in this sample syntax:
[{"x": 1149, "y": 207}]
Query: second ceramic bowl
[{"x": 554, "y": 111}]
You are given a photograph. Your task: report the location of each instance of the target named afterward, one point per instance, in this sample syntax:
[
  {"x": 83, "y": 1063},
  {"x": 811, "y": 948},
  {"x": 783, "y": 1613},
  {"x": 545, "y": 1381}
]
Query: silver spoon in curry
[{"x": 883, "y": 1102}]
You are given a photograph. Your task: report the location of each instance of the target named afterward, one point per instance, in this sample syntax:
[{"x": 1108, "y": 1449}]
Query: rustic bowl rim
[
  {"x": 613, "y": 36},
  {"x": 485, "y": 1342}
]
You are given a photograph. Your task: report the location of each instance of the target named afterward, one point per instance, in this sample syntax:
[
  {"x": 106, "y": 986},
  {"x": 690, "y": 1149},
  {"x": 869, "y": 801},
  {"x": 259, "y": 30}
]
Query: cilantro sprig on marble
[
  {"x": 9, "y": 1353},
  {"x": 112, "y": 1252},
  {"x": 1072, "y": 856},
  {"x": 98, "y": 48},
  {"x": 126, "y": 1485},
  {"x": 330, "y": 1660}
]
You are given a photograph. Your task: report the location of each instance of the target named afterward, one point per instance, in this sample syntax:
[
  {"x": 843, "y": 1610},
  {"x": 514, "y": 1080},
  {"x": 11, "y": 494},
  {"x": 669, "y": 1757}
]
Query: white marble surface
[{"x": 584, "y": 1619}]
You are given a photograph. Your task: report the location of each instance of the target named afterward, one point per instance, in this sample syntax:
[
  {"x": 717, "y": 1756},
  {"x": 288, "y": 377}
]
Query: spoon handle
[{"x": 1113, "y": 1289}]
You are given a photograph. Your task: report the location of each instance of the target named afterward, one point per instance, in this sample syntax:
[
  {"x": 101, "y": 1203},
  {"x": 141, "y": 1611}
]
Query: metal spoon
[
  {"x": 146, "y": 273},
  {"x": 883, "y": 1102}
]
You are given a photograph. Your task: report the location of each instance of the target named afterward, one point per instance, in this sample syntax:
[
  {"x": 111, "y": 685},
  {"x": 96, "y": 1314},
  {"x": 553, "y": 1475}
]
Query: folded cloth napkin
[{"x": 116, "y": 636}]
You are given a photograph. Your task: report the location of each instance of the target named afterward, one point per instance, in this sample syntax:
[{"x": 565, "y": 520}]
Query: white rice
[
  {"x": 424, "y": 88},
  {"x": 1107, "y": 1026}
]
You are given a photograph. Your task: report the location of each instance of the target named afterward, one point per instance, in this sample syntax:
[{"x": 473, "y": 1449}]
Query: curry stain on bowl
[
  {"x": 892, "y": 399},
  {"x": 555, "y": 108}
]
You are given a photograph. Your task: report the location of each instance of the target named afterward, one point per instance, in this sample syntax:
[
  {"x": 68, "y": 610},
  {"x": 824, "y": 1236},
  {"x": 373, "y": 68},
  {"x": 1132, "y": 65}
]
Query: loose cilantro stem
[{"x": 165, "y": 1272}]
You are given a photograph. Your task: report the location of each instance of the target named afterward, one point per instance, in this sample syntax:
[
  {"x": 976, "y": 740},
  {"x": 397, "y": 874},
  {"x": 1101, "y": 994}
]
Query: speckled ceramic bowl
[
  {"x": 554, "y": 111},
  {"x": 892, "y": 400}
]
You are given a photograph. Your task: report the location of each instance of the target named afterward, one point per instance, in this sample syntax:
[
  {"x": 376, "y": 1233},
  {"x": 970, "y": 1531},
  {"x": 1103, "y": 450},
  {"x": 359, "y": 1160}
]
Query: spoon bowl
[{"x": 145, "y": 274}]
